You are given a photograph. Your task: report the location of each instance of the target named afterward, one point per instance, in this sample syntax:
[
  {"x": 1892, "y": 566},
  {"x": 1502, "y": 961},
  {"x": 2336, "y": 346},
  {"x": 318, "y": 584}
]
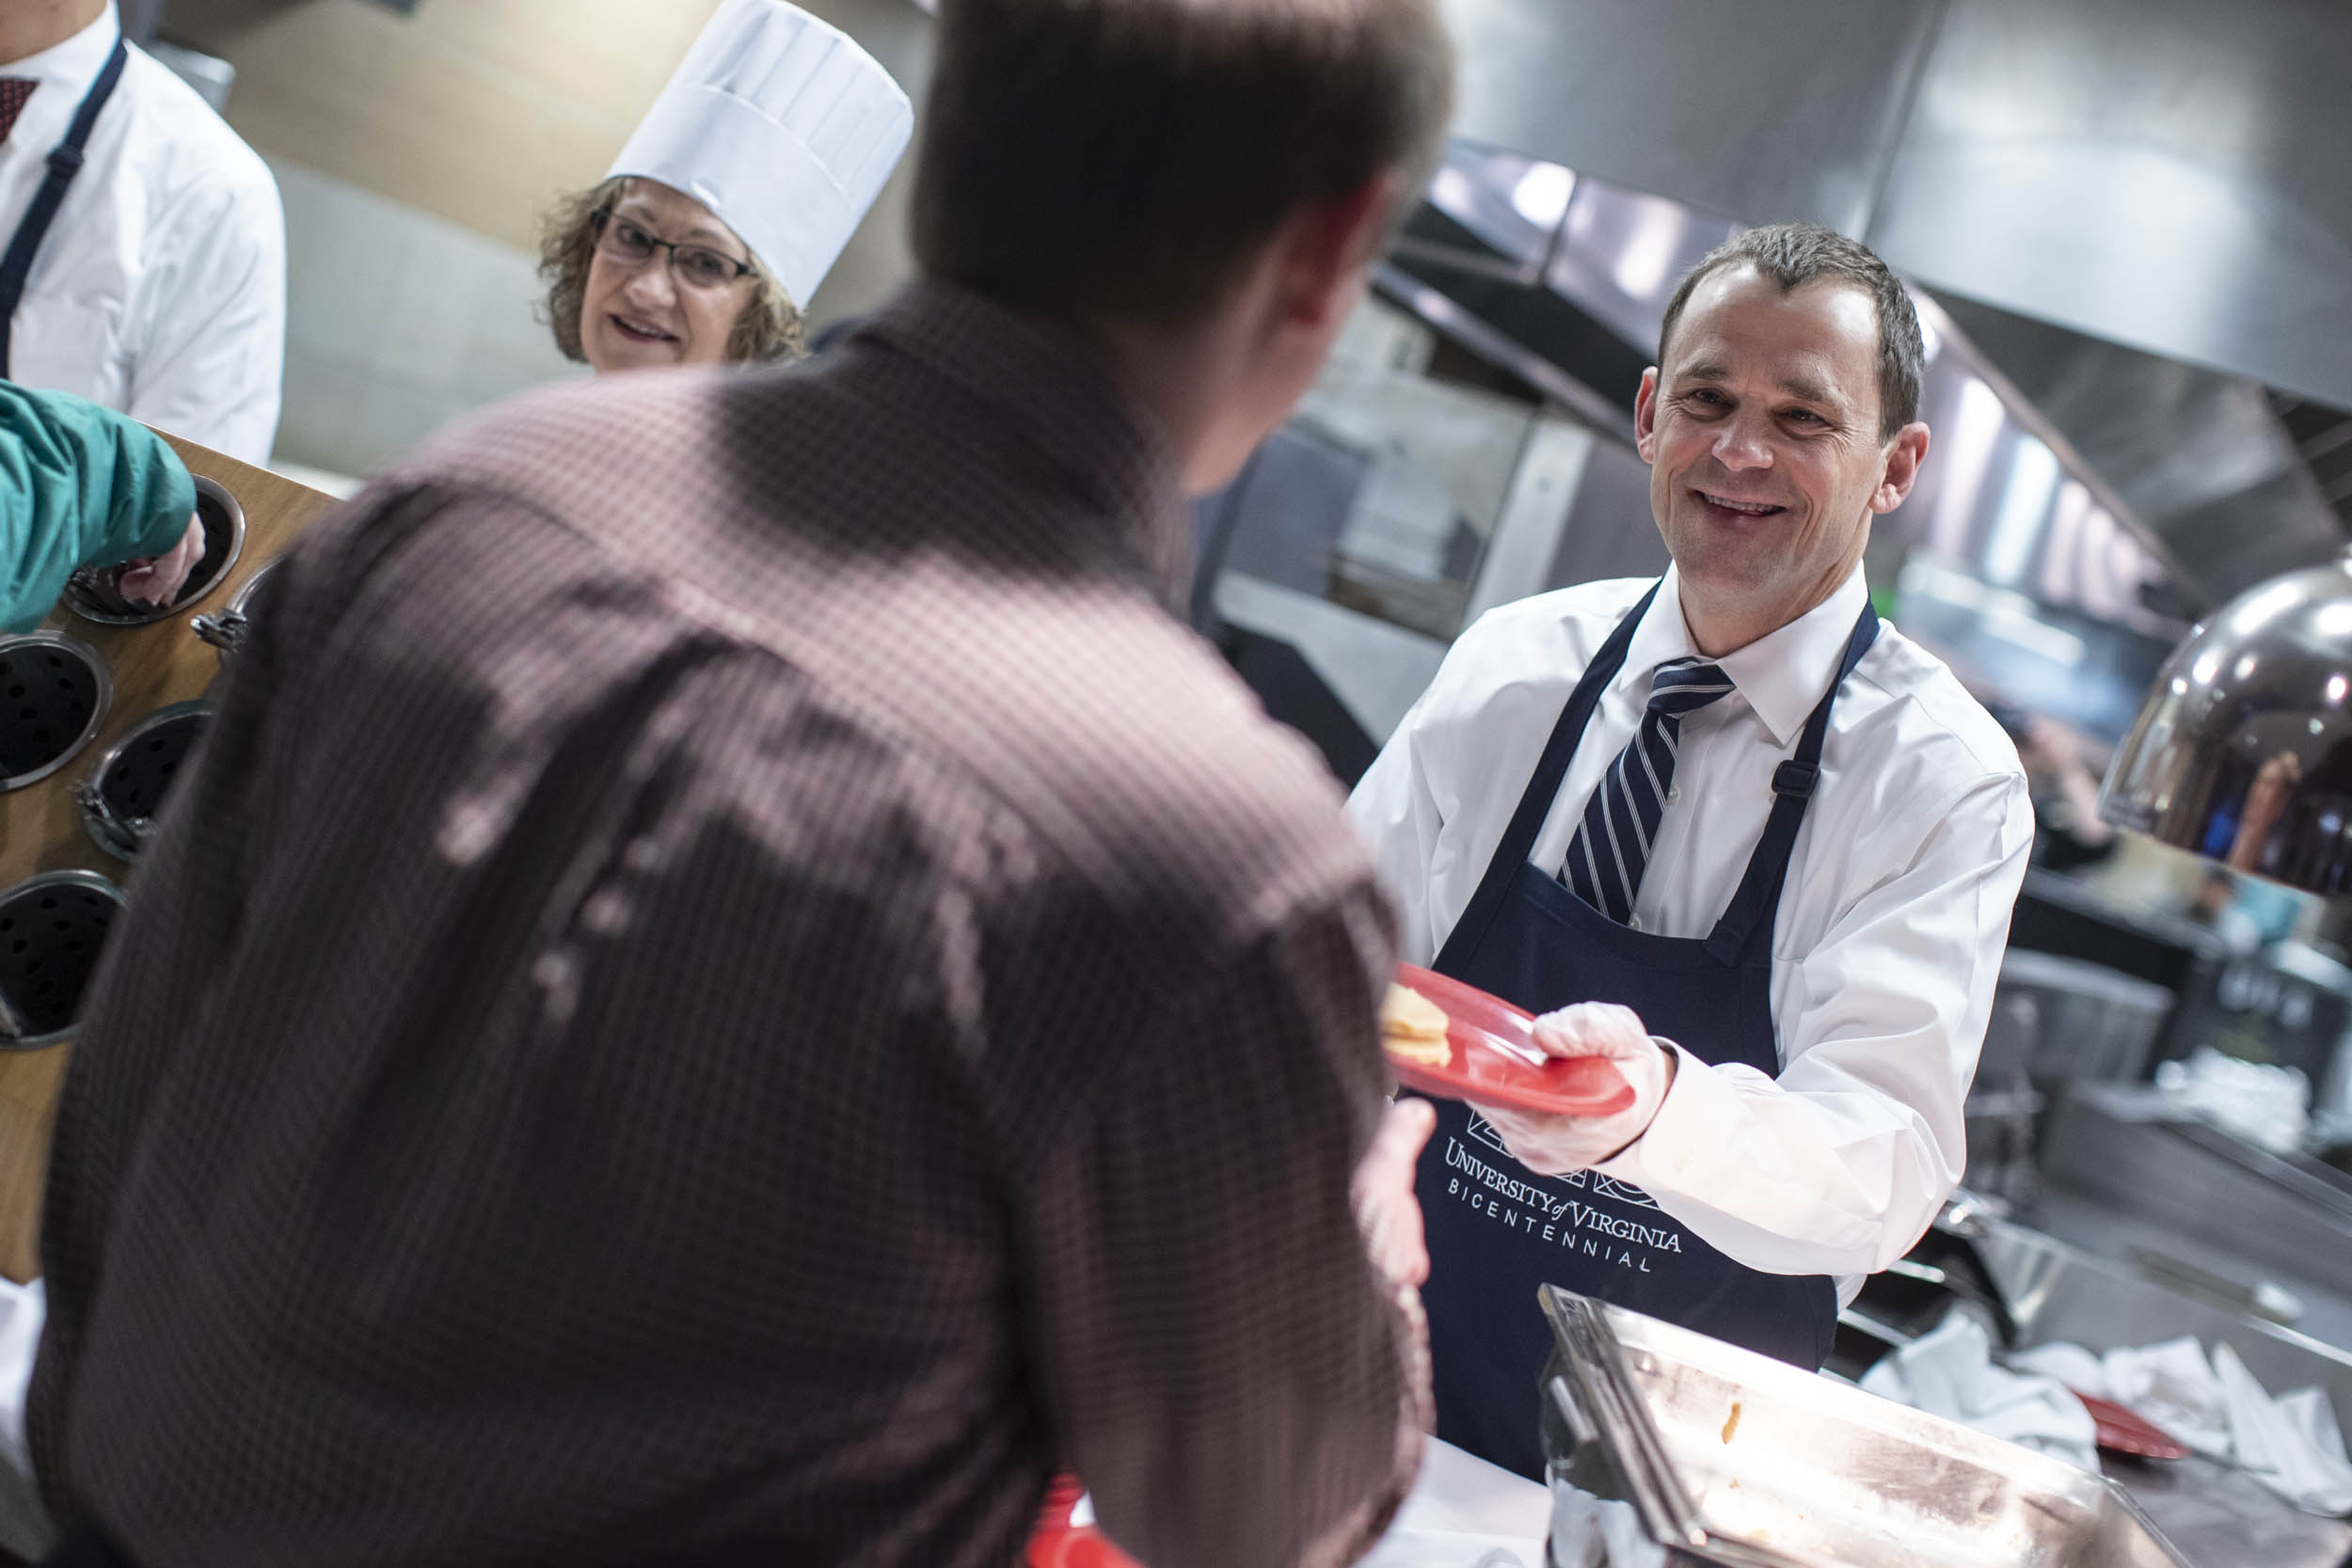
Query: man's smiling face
[{"x": 1762, "y": 433}]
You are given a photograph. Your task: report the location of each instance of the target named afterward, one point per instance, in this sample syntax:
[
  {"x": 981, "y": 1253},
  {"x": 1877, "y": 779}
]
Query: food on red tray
[
  {"x": 1498, "y": 1062},
  {"x": 1413, "y": 1028}
]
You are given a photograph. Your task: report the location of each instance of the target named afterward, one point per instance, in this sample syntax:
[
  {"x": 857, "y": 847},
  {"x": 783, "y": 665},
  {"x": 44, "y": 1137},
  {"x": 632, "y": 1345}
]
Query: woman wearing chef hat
[{"x": 727, "y": 207}]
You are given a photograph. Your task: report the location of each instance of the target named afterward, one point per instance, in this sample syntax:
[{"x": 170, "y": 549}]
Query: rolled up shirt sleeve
[
  {"x": 1224, "y": 1370},
  {"x": 1838, "y": 1165}
]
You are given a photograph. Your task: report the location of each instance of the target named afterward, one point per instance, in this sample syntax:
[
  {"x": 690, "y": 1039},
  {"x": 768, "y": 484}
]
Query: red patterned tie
[{"x": 15, "y": 92}]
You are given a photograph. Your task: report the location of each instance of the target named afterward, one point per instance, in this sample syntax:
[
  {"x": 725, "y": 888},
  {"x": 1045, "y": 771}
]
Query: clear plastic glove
[
  {"x": 1386, "y": 1210},
  {"x": 1556, "y": 1145},
  {"x": 159, "y": 581}
]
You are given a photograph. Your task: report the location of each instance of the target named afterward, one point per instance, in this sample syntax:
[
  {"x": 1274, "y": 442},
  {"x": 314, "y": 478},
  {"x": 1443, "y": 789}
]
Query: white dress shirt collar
[
  {"x": 65, "y": 72},
  {"x": 1782, "y": 675}
]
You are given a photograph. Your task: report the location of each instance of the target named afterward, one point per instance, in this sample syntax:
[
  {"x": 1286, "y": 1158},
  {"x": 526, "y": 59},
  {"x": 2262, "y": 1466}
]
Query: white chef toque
[{"x": 781, "y": 126}]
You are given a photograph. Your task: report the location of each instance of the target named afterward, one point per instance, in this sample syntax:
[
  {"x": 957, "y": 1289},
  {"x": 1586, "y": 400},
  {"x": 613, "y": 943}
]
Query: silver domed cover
[{"x": 2243, "y": 751}]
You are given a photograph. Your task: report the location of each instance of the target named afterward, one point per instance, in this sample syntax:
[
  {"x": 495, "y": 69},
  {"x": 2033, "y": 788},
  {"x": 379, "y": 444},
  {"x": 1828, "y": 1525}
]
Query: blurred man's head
[
  {"x": 1203, "y": 181},
  {"x": 1780, "y": 419}
]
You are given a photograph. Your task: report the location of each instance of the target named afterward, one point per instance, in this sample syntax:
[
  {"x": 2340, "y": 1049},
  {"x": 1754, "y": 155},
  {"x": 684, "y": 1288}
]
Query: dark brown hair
[
  {"x": 1125, "y": 157},
  {"x": 1795, "y": 254},
  {"x": 770, "y": 327}
]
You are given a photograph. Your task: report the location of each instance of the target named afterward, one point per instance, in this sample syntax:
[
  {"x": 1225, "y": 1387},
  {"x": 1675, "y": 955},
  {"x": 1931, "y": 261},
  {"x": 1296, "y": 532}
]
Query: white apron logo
[
  {"x": 1592, "y": 1180},
  {"x": 1516, "y": 1204}
]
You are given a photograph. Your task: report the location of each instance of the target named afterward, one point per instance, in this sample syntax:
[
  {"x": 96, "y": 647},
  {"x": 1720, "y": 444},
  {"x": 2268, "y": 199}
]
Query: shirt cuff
[{"x": 1688, "y": 1138}]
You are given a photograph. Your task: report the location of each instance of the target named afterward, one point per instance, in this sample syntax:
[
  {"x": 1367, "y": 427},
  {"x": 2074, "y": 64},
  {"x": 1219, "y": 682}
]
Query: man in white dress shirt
[
  {"x": 1727, "y": 831},
  {"x": 154, "y": 275}
]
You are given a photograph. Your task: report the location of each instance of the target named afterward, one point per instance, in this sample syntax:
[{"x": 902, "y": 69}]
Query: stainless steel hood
[
  {"x": 2166, "y": 174},
  {"x": 1769, "y": 112},
  {"x": 2202, "y": 459},
  {"x": 2016, "y": 560}
]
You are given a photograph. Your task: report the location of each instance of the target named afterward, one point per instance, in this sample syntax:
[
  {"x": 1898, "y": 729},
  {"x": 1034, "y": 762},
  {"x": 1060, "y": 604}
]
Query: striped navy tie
[{"x": 1612, "y": 843}]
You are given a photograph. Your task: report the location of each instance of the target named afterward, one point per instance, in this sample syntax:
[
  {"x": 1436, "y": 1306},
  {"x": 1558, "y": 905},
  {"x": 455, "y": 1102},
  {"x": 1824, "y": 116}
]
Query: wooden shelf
[{"x": 152, "y": 666}]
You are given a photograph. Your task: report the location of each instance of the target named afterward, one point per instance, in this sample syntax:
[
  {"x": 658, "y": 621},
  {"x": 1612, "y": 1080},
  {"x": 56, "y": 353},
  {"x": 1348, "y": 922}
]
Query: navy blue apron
[
  {"x": 65, "y": 162},
  {"x": 1496, "y": 1230}
]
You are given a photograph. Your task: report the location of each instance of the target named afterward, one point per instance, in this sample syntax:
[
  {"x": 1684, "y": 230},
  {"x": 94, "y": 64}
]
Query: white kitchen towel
[
  {"x": 2172, "y": 1384},
  {"x": 2291, "y": 1444},
  {"x": 1950, "y": 1373}
]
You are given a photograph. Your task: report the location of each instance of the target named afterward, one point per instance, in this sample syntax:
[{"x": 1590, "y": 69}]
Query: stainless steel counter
[
  {"x": 2217, "y": 1517},
  {"x": 2059, "y": 1293},
  {"x": 2121, "y": 1175}
]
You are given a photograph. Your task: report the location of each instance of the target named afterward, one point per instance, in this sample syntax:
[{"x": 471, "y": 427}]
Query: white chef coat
[
  {"x": 1891, "y": 924},
  {"x": 160, "y": 290}
]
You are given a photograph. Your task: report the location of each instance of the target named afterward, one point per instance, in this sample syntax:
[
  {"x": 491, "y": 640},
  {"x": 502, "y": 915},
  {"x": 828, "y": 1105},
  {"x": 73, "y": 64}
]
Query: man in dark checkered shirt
[{"x": 731, "y": 986}]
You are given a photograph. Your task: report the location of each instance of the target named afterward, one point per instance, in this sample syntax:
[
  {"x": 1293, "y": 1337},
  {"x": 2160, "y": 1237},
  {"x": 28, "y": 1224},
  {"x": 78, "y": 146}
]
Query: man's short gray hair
[{"x": 1795, "y": 254}]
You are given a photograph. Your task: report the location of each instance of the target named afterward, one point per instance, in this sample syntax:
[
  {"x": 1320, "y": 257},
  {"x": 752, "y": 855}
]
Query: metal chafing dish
[
  {"x": 1727, "y": 1457},
  {"x": 2243, "y": 750}
]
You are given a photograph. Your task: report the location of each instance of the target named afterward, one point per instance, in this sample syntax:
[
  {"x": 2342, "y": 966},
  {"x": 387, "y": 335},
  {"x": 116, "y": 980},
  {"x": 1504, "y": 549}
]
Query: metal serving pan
[{"x": 1731, "y": 1458}]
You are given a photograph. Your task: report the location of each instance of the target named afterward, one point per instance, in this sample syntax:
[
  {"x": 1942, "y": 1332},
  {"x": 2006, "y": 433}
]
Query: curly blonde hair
[{"x": 770, "y": 328}]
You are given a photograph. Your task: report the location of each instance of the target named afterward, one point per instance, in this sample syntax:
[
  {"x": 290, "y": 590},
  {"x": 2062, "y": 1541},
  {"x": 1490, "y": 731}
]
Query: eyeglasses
[{"x": 698, "y": 266}]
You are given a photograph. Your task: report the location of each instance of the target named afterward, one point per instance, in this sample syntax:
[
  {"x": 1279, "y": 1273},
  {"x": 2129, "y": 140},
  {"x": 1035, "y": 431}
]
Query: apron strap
[
  {"x": 1518, "y": 838},
  {"x": 1752, "y": 908},
  {"x": 65, "y": 162}
]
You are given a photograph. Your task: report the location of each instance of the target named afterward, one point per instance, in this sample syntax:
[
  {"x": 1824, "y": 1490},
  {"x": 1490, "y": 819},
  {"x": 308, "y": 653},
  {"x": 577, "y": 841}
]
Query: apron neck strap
[
  {"x": 1753, "y": 906},
  {"x": 1552, "y": 769},
  {"x": 65, "y": 162}
]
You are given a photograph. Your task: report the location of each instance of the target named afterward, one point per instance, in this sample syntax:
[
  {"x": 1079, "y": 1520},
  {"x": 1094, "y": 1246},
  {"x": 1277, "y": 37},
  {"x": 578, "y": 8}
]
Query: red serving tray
[
  {"x": 1487, "y": 1071},
  {"x": 1058, "y": 1544},
  {"x": 2125, "y": 1430}
]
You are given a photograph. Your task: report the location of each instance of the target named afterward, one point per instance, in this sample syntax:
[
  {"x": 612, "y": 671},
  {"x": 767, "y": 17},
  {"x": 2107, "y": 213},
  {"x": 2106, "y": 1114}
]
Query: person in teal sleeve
[{"x": 82, "y": 486}]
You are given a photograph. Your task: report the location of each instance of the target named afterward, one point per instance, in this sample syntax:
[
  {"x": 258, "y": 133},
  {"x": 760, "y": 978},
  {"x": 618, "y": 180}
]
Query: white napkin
[
  {"x": 1457, "y": 1492},
  {"x": 1950, "y": 1373},
  {"x": 2291, "y": 1444},
  {"x": 1462, "y": 1513},
  {"x": 2172, "y": 1384},
  {"x": 1465, "y": 1513},
  {"x": 23, "y": 1308}
]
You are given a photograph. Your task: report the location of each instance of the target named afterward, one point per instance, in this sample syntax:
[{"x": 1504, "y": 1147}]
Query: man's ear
[
  {"x": 1646, "y": 417},
  {"x": 1904, "y": 456},
  {"x": 1326, "y": 245}
]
